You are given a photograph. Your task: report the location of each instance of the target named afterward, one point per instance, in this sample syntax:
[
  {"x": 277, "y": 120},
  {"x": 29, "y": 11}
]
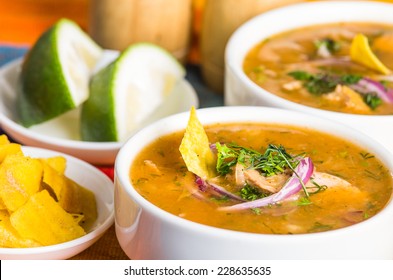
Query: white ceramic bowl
[
  {"x": 62, "y": 134},
  {"x": 240, "y": 90},
  {"x": 145, "y": 231},
  {"x": 89, "y": 177}
]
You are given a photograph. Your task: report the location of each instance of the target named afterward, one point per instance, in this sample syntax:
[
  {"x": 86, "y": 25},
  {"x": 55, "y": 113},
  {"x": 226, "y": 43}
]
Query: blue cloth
[{"x": 9, "y": 53}]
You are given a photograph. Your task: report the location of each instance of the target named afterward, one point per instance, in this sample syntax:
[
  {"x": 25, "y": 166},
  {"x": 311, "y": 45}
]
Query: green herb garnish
[
  {"x": 319, "y": 227},
  {"x": 372, "y": 100},
  {"x": 304, "y": 201},
  {"x": 331, "y": 45},
  {"x": 350, "y": 79},
  {"x": 321, "y": 83},
  {"x": 301, "y": 75},
  {"x": 319, "y": 187},
  {"x": 250, "y": 193},
  {"x": 274, "y": 161},
  {"x": 366, "y": 155}
]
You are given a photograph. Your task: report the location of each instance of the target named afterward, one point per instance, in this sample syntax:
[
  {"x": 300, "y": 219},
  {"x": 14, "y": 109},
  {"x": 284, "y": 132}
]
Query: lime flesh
[{"x": 126, "y": 92}]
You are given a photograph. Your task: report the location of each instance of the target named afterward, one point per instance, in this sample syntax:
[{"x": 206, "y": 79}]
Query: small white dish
[
  {"x": 62, "y": 133},
  {"x": 89, "y": 177},
  {"x": 240, "y": 90}
]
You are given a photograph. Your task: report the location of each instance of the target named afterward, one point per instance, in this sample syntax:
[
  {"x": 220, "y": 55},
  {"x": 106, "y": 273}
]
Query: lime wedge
[
  {"x": 55, "y": 73},
  {"x": 127, "y": 91},
  {"x": 361, "y": 52}
]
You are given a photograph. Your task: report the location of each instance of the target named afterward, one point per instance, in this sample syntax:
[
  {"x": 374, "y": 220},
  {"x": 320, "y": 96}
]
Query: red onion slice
[
  {"x": 367, "y": 85},
  {"x": 222, "y": 191},
  {"x": 208, "y": 188},
  {"x": 304, "y": 170},
  {"x": 205, "y": 188}
]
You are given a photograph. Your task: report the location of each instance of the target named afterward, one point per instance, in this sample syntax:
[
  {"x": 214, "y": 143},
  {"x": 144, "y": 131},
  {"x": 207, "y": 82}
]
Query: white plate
[
  {"x": 62, "y": 133},
  {"x": 89, "y": 177}
]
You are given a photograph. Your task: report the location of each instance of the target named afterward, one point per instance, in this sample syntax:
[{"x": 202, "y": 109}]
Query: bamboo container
[
  {"x": 118, "y": 24},
  {"x": 220, "y": 19}
]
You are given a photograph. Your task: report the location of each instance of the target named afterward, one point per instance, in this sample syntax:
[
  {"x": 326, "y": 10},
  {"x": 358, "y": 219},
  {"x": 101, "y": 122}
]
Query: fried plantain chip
[
  {"x": 76, "y": 199},
  {"x": 4, "y": 214},
  {"x": 53, "y": 179},
  {"x": 195, "y": 148},
  {"x": 9, "y": 149},
  {"x": 39, "y": 205},
  {"x": 2, "y": 205},
  {"x": 4, "y": 139},
  {"x": 45, "y": 221},
  {"x": 58, "y": 163},
  {"x": 361, "y": 52},
  {"x": 9, "y": 237},
  {"x": 20, "y": 177}
]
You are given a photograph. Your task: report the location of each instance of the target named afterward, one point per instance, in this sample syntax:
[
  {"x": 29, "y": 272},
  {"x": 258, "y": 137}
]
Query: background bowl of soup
[
  {"x": 301, "y": 55},
  {"x": 158, "y": 216}
]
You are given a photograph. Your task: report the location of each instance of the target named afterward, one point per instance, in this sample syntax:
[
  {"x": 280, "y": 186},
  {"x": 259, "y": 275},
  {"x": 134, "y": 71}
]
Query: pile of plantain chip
[{"x": 39, "y": 205}]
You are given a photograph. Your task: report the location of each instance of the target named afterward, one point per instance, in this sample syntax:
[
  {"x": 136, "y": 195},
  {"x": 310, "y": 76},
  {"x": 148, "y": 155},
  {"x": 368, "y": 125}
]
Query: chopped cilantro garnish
[
  {"x": 331, "y": 45},
  {"x": 226, "y": 158},
  {"x": 303, "y": 201},
  {"x": 349, "y": 79},
  {"x": 319, "y": 188},
  {"x": 321, "y": 83},
  {"x": 301, "y": 75},
  {"x": 274, "y": 161},
  {"x": 319, "y": 227},
  {"x": 372, "y": 100},
  {"x": 250, "y": 193},
  {"x": 366, "y": 155}
]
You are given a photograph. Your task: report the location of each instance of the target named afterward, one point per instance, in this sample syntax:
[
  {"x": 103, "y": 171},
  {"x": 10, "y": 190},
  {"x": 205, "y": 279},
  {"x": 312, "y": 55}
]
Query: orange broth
[
  {"x": 269, "y": 62},
  {"x": 160, "y": 175}
]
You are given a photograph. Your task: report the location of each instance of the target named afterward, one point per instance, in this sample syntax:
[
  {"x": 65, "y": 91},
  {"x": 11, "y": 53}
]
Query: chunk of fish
[
  {"x": 346, "y": 97},
  {"x": 328, "y": 180},
  {"x": 271, "y": 184}
]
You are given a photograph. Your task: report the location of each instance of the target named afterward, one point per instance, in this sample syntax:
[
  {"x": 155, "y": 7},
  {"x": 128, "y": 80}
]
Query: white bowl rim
[
  {"x": 123, "y": 162},
  {"x": 97, "y": 232},
  {"x": 339, "y": 7}
]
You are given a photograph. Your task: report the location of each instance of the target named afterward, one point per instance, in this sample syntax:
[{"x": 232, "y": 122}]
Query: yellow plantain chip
[
  {"x": 53, "y": 179},
  {"x": 195, "y": 148},
  {"x": 76, "y": 199},
  {"x": 4, "y": 214},
  {"x": 58, "y": 163},
  {"x": 9, "y": 237},
  {"x": 43, "y": 220},
  {"x": 361, "y": 52},
  {"x": 78, "y": 218},
  {"x": 72, "y": 197},
  {"x": 9, "y": 149},
  {"x": 2, "y": 205},
  {"x": 4, "y": 139},
  {"x": 20, "y": 177}
]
